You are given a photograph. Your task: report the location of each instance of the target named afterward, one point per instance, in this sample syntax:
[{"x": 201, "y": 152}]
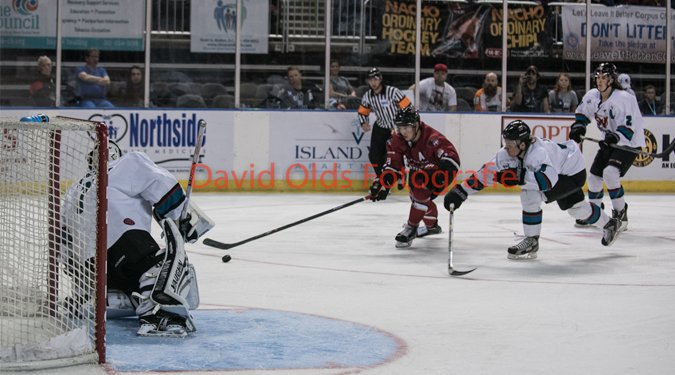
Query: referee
[{"x": 385, "y": 101}]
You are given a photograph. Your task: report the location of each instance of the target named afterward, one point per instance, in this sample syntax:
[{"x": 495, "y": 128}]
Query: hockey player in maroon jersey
[{"x": 433, "y": 162}]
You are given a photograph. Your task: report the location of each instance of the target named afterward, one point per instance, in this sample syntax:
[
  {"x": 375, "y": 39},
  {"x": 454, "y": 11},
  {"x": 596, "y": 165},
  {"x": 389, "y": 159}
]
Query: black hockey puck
[{"x": 226, "y": 258}]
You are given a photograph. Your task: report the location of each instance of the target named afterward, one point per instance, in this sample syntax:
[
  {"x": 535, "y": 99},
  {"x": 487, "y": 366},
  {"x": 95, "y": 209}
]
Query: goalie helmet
[
  {"x": 408, "y": 116},
  {"x": 517, "y": 130},
  {"x": 114, "y": 153}
]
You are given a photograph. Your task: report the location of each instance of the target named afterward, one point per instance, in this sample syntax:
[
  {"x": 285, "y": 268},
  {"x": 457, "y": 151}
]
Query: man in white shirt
[{"x": 436, "y": 95}]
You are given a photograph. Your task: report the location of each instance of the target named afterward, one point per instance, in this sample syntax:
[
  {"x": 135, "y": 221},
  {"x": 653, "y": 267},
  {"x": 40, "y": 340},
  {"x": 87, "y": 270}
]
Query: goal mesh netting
[{"x": 52, "y": 242}]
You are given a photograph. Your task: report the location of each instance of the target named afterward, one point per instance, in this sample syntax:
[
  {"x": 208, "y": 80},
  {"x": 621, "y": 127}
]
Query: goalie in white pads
[
  {"x": 160, "y": 283},
  {"x": 547, "y": 172}
]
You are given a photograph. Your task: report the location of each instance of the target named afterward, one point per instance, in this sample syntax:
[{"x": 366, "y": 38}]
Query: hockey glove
[
  {"x": 455, "y": 196},
  {"x": 577, "y": 130},
  {"x": 187, "y": 228},
  {"x": 510, "y": 177},
  {"x": 377, "y": 192},
  {"x": 611, "y": 138}
]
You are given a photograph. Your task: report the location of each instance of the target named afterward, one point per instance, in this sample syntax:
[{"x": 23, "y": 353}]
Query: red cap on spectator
[{"x": 441, "y": 67}]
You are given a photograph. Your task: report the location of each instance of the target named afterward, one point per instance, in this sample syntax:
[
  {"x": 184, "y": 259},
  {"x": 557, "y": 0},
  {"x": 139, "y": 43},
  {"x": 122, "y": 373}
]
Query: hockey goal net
[{"x": 52, "y": 265}]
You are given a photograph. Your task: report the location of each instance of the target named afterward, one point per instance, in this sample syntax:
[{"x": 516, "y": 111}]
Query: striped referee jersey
[{"x": 386, "y": 105}]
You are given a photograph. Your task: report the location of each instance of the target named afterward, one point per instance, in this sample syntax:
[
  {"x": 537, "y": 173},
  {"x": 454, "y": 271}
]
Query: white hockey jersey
[
  {"x": 543, "y": 161},
  {"x": 619, "y": 114},
  {"x": 136, "y": 187}
]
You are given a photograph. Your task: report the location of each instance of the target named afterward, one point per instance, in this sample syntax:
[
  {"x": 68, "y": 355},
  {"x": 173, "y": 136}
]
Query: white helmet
[
  {"x": 114, "y": 153},
  {"x": 624, "y": 81}
]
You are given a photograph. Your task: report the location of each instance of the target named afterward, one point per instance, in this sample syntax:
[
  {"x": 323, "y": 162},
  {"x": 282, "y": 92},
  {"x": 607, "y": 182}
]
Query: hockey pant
[
  {"x": 569, "y": 196},
  {"x": 609, "y": 165},
  {"x": 423, "y": 207}
]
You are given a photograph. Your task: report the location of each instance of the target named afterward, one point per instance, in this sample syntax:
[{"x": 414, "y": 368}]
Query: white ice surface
[{"x": 581, "y": 308}]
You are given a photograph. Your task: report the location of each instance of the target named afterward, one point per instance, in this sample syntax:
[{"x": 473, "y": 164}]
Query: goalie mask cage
[{"x": 52, "y": 243}]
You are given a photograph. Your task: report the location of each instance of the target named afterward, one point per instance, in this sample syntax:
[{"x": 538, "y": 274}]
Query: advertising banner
[
  {"x": 330, "y": 152},
  {"x": 464, "y": 30},
  {"x": 326, "y": 150},
  {"x": 116, "y": 25},
  {"x": 213, "y": 26},
  {"x": 107, "y": 25},
  {"x": 622, "y": 33},
  {"x": 27, "y": 24}
]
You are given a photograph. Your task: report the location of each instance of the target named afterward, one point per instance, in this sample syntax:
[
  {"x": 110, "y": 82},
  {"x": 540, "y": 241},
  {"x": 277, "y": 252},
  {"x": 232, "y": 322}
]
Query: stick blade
[
  {"x": 217, "y": 244},
  {"x": 454, "y": 272}
]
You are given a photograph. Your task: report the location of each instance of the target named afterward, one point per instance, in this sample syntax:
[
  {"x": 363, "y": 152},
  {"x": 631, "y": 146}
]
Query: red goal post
[{"x": 52, "y": 242}]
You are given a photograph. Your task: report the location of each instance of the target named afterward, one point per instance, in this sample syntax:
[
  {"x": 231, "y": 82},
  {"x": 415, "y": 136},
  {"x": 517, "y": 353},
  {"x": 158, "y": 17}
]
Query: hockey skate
[
  {"x": 162, "y": 324},
  {"x": 406, "y": 236},
  {"x": 622, "y": 216},
  {"x": 611, "y": 231},
  {"x": 526, "y": 249},
  {"x": 423, "y": 231}
]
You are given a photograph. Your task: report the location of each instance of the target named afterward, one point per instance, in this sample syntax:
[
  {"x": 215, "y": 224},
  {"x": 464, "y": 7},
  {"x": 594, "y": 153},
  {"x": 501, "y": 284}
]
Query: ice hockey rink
[{"x": 334, "y": 296}]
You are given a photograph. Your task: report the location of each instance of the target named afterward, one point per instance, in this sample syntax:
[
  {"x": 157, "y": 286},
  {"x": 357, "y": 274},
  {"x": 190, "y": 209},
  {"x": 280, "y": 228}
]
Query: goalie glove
[{"x": 188, "y": 228}]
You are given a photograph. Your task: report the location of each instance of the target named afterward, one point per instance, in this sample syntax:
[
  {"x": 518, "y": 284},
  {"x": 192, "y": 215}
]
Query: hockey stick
[
  {"x": 193, "y": 166},
  {"x": 226, "y": 246},
  {"x": 451, "y": 269},
  {"x": 659, "y": 155}
]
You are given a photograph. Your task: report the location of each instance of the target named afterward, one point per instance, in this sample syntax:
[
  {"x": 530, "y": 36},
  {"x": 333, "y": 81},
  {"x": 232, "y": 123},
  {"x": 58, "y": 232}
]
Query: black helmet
[
  {"x": 374, "y": 72},
  {"x": 407, "y": 116},
  {"x": 608, "y": 69},
  {"x": 517, "y": 130}
]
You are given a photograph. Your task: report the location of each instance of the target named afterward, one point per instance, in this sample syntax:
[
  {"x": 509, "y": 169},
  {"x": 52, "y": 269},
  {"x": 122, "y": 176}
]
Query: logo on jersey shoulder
[
  {"x": 651, "y": 146},
  {"x": 128, "y": 221}
]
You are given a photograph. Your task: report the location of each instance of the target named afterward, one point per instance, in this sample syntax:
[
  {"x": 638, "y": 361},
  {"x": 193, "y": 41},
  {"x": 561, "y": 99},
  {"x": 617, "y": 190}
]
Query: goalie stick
[
  {"x": 193, "y": 166},
  {"x": 226, "y": 246},
  {"x": 659, "y": 155},
  {"x": 451, "y": 268}
]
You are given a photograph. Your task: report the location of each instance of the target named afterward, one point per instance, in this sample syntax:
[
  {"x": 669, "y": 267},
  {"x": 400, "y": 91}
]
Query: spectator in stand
[
  {"x": 293, "y": 95},
  {"x": 436, "y": 95},
  {"x": 43, "y": 89},
  {"x": 562, "y": 98},
  {"x": 341, "y": 90},
  {"x": 134, "y": 91},
  {"x": 624, "y": 81},
  {"x": 649, "y": 105},
  {"x": 92, "y": 82},
  {"x": 529, "y": 95},
  {"x": 489, "y": 97}
]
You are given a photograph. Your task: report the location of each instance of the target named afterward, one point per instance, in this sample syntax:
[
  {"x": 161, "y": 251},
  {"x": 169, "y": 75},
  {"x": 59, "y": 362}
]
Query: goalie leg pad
[
  {"x": 169, "y": 288},
  {"x": 172, "y": 285}
]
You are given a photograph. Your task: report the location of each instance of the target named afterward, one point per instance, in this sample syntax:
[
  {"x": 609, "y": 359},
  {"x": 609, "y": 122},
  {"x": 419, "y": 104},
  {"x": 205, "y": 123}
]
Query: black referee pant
[{"x": 378, "y": 147}]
